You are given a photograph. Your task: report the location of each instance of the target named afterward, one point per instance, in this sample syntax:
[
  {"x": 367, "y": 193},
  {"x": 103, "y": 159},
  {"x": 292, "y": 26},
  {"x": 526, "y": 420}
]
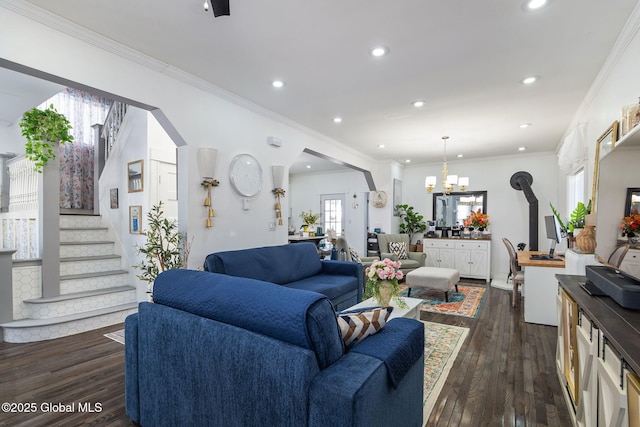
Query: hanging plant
[{"x": 43, "y": 129}]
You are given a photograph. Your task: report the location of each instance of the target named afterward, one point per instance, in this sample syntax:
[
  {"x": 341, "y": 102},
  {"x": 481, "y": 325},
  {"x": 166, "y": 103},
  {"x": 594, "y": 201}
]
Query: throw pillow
[
  {"x": 354, "y": 255},
  {"x": 399, "y": 249},
  {"x": 356, "y": 325}
]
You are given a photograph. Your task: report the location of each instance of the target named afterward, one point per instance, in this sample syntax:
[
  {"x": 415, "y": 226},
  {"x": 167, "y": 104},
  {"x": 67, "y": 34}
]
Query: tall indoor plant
[
  {"x": 412, "y": 221},
  {"x": 165, "y": 248},
  {"x": 44, "y": 130}
]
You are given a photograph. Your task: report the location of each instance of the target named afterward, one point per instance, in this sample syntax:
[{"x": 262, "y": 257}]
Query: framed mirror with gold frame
[
  {"x": 604, "y": 145},
  {"x": 135, "y": 176}
]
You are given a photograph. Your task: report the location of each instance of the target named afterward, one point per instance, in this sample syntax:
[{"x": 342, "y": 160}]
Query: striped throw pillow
[
  {"x": 356, "y": 325},
  {"x": 399, "y": 249}
]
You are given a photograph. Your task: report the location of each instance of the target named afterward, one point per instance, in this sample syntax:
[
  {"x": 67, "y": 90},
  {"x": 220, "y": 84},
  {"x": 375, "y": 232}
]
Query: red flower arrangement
[
  {"x": 477, "y": 220},
  {"x": 630, "y": 224}
]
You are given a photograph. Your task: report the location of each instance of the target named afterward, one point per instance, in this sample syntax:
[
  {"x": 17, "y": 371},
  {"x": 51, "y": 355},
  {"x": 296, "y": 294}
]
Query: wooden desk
[{"x": 540, "y": 288}]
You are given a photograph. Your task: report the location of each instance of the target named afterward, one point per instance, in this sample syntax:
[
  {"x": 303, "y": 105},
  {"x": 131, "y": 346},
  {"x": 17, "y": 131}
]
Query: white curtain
[
  {"x": 573, "y": 151},
  {"x": 76, "y": 158}
]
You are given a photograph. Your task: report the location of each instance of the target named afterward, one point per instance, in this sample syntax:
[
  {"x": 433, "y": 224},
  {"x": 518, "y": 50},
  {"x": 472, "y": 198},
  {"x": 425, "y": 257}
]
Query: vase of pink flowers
[{"x": 382, "y": 282}]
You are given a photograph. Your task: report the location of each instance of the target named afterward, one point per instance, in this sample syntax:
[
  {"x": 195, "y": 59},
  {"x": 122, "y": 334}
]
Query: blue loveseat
[
  {"x": 294, "y": 266},
  {"x": 218, "y": 350}
]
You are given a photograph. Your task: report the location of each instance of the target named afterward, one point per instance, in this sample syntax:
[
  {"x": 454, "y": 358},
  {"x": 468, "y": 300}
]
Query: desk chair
[
  {"x": 617, "y": 256},
  {"x": 517, "y": 275}
]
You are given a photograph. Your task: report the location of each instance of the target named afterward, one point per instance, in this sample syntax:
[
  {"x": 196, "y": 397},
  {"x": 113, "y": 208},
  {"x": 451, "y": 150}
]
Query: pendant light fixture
[{"x": 449, "y": 182}]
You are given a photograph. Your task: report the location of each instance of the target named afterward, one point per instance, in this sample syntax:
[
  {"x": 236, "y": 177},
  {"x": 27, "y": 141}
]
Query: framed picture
[
  {"x": 113, "y": 197},
  {"x": 569, "y": 325},
  {"x": 397, "y": 195},
  {"x": 632, "y": 202},
  {"x": 633, "y": 399},
  {"x": 135, "y": 176},
  {"x": 604, "y": 145},
  {"x": 135, "y": 219}
]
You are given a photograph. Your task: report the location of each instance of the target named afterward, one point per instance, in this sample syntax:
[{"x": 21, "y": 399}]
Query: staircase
[{"x": 94, "y": 289}]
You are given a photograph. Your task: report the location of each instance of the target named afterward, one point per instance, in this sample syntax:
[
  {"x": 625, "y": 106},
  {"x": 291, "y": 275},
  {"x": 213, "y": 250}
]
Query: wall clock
[
  {"x": 246, "y": 175},
  {"x": 378, "y": 199}
]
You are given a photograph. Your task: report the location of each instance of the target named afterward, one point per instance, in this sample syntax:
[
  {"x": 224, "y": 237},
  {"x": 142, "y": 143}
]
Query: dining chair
[
  {"x": 617, "y": 255},
  {"x": 517, "y": 275}
]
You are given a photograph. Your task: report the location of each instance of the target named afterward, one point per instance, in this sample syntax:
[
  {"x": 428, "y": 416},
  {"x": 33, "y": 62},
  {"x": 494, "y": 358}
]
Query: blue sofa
[
  {"x": 218, "y": 350},
  {"x": 297, "y": 266}
]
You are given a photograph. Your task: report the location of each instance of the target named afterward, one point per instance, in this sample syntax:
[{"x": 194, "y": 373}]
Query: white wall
[
  {"x": 305, "y": 191},
  {"x": 617, "y": 85},
  {"x": 204, "y": 116},
  {"x": 508, "y": 209}
]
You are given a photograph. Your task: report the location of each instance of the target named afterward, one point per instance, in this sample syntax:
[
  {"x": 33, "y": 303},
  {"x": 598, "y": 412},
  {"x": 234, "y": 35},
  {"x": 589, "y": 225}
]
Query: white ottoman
[{"x": 433, "y": 278}]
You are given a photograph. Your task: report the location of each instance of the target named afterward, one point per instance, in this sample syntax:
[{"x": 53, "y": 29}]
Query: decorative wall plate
[{"x": 378, "y": 199}]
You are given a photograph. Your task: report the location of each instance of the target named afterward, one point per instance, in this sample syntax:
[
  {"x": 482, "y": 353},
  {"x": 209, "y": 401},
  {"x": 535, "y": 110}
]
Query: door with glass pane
[{"x": 332, "y": 206}]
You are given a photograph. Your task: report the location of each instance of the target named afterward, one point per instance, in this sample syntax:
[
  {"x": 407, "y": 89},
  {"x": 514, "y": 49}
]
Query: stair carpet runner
[{"x": 94, "y": 289}]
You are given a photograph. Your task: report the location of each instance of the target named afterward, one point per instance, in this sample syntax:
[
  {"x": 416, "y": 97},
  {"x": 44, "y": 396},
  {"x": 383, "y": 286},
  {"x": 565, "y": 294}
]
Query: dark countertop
[{"x": 619, "y": 325}]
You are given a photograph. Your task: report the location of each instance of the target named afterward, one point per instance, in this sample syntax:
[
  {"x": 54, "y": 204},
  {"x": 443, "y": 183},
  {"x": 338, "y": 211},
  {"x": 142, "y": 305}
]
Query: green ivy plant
[
  {"x": 43, "y": 129},
  {"x": 165, "y": 249}
]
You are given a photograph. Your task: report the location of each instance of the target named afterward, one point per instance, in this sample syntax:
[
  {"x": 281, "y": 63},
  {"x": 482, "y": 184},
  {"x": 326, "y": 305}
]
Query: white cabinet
[
  {"x": 472, "y": 258},
  {"x": 440, "y": 253},
  {"x": 631, "y": 263}
]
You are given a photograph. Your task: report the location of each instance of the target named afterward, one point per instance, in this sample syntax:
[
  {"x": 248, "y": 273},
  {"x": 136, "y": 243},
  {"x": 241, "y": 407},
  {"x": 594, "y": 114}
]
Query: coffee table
[{"x": 412, "y": 312}]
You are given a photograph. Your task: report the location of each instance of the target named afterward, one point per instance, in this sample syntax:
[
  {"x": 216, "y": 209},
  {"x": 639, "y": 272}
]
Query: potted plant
[
  {"x": 309, "y": 219},
  {"x": 44, "y": 129},
  {"x": 382, "y": 282},
  {"x": 165, "y": 249},
  {"x": 412, "y": 223},
  {"x": 578, "y": 216}
]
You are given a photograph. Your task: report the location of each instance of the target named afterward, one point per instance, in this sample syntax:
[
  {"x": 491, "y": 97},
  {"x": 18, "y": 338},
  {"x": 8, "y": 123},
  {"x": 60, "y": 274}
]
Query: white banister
[{"x": 23, "y": 185}]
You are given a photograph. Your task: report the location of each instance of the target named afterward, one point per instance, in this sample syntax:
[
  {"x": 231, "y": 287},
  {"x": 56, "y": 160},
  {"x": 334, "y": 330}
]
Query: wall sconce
[
  {"x": 278, "y": 191},
  {"x": 207, "y": 165}
]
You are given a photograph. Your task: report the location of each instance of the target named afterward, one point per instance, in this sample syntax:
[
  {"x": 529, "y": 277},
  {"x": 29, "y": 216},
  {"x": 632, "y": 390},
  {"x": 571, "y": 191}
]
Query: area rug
[
  {"x": 465, "y": 302},
  {"x": 117, "y": 336},
  {"x": 441, "y": 346}
]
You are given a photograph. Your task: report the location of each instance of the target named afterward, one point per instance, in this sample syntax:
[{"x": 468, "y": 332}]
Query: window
[
  {"x": 575, "y": 190},
  {"x": 333, "y": 212}
]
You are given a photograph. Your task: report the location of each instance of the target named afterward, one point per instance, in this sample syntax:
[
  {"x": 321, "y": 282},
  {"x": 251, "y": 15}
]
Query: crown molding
[
  {"x": 101, "y": 42},
  {"x": 628, "y": 32}
]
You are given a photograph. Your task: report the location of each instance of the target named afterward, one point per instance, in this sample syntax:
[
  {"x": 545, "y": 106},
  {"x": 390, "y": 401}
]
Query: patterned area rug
[
  {"x": 465, "y": 302},
  {"x": 441, "y": 346},
  {"x": 116, "y": 336}
]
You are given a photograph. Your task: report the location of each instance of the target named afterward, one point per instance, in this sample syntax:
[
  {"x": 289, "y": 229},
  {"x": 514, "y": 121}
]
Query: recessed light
[
  {"x": 277, "y": 83},
  {"x": 408, "y": 161},
  {"x": 530, "y": 80},
  {"x": 418, "y": 103},
  {"x": 522, "y": 148},
  {"x": 536, "y": 4},
  {"x": 525, "y": 125},
  {"x": 337, "y": 120},
  {"x": 460, "y": 155},
  {"x": 308, "y": 166},
  {"x": 381, "y": 146},
  {"x": 379, "y": 51}
]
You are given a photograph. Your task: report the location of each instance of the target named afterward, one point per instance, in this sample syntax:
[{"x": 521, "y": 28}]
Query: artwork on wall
[
  {"x": 135, "y": 219},
  {"x": 113, "y": 197},
  {"x": 135, "y": 176},
  {"x": 397, "y": 195}
]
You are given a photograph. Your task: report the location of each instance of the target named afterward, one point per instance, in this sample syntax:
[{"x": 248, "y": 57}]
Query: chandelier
[{"x": 449, "y": 182}]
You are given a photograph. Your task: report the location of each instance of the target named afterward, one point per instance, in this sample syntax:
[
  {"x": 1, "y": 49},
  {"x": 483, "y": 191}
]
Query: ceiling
[{"x": 465, "y": 59}]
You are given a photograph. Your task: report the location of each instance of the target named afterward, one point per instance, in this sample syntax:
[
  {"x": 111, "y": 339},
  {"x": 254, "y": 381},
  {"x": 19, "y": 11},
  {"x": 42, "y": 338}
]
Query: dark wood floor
[{"x": 504, "y": 375}]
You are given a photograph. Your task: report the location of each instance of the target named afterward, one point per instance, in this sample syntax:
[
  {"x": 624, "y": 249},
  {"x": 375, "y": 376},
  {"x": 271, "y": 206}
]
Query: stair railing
[{"x": 111, "y": 126}]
